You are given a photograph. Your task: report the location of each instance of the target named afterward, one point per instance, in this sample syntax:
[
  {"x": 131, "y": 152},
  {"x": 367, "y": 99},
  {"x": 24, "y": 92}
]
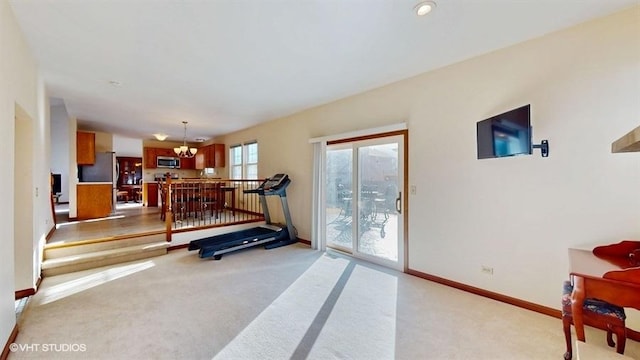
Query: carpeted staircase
[{"x": 62, "y": 258}]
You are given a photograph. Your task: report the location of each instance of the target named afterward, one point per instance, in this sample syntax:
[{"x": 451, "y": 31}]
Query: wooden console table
[
  {"x": 609, "y": 273},
  {"x": 232, "y": 190}
]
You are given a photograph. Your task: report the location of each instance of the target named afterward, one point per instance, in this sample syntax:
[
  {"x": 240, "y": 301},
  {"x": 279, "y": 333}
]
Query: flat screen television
[
  {"x": 56, "y": 183},
  {"x": 506, "y": 134}
]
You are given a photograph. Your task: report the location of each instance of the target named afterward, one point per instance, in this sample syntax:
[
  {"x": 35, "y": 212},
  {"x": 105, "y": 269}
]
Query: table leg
[
  {"x": 577, "y": 302},
  {"x": 233, "y": 202}
]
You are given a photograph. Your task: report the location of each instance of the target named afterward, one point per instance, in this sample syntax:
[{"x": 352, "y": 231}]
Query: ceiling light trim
[
  {"x": 160, "y": 136},
  {"x": 424, "y": 7}
]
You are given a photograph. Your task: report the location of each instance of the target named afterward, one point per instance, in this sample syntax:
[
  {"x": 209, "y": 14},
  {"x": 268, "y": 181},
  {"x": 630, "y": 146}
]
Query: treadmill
[{"x": 271, "y": 235}]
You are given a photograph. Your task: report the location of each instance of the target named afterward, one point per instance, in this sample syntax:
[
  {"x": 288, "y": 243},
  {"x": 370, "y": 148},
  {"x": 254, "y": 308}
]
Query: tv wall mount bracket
[{"x": 544, "y": 148}]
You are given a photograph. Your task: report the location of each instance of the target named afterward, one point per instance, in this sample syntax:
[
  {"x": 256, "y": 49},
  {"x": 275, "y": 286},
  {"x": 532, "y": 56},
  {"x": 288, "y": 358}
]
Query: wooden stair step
[
  {"x": 89, "y": 260},
  {"x": 59, "y": 250}
]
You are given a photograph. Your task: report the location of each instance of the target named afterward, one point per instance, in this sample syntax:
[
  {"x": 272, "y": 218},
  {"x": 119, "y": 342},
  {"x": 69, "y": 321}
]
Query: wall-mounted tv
[{"x": 507, "y": 134}]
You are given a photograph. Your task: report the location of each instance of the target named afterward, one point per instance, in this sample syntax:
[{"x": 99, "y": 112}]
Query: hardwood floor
[{"x": 129, "y": 218}]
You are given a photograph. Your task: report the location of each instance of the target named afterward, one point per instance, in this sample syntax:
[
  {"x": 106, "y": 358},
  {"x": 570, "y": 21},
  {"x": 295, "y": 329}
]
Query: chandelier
[{"x": 184, "y": 151}]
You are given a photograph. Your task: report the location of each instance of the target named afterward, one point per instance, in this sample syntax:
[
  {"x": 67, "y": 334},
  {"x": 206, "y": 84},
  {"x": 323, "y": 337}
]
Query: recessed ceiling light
[{"x": 424, "y": 7}]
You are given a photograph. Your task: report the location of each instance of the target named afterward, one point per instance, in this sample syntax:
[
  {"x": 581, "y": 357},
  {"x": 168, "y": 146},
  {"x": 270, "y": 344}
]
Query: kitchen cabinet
[
  {"x": 151, "y": 154},
  {"x": 165, "y": 152},
  {"x": 219, "y": 155},
  {"x": 188, "y": 163},
  {"x": 85, "y": 148},
  {"x": 152, "y": 195},
  {"x": 200, "y": 157},
  {"x": 94, "y": 200},
  {"x": 210, "y": 156},
  {"x": 149, "y": 158}
]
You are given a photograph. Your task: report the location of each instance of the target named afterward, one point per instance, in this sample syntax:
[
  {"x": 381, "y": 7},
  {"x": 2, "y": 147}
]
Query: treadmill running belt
[{"x": 230, "y": 237}]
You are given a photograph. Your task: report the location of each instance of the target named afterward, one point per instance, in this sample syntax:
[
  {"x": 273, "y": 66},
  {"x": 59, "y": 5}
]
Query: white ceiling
[{"x": 225, "y": 65}]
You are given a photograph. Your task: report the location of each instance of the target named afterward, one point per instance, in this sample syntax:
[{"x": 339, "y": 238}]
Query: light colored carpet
[{"x": 286, "y": 303}]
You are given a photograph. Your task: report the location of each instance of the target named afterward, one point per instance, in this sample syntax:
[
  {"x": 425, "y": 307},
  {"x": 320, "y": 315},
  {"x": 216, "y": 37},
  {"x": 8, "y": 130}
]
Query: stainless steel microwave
[{"x": 167, "y": 162}]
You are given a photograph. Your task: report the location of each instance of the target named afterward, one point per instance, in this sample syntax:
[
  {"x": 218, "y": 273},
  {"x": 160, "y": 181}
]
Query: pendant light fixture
[{"x": 184, "y": 151}]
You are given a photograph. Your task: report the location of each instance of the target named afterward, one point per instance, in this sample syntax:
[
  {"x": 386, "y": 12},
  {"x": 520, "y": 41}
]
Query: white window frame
[
  {"x": 247, "y": 164},
  {"x": 244, "y": 164},
  {"x": 232, "y": 165}
]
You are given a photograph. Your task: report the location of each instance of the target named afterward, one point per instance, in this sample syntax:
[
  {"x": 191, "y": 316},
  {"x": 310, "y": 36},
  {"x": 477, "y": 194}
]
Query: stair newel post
[{"x": 168, "y": 218}]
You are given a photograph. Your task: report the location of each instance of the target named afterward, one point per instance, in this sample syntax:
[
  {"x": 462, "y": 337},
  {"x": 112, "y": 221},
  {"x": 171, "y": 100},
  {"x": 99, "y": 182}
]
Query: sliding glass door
[
  {"x": 364, "y": 199},
  {"x": 339, "y": 200}
]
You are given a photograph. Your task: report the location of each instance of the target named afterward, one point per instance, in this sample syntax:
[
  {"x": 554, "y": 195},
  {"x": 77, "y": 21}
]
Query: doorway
[
  {"x": 128, "y": 182},
  {"x": 364, "y": 198}
]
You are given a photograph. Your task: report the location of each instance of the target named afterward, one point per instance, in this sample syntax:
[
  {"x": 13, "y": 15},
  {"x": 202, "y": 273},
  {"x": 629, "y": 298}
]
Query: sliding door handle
[{"x": 399, "y": 203}]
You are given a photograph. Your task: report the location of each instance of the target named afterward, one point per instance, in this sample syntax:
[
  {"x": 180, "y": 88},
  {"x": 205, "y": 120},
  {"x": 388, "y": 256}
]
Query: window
[
  {"x": 235, "y": 158},
  {"x": 251, "y": 164},
  {"x": 243, "y": 161}
]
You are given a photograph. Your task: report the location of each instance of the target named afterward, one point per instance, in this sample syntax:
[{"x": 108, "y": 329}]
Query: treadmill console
[
  {"x": 274, "y": 185},
  {"x": 274, "y": 182}
]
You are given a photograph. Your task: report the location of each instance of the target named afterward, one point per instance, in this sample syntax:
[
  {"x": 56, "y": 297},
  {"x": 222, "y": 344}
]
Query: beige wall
[
  {"x": 60, "y": 147},
  {"x": 518, "y": 215},
  {"x": 127, "y": 147},
  {"x": 23, "y": 210},
  {"x": 73, "y": 168},
  {"x": 104, "y": 142},
  {"x": 18, "y": 86},
  {"x": 42, "y": 217}
]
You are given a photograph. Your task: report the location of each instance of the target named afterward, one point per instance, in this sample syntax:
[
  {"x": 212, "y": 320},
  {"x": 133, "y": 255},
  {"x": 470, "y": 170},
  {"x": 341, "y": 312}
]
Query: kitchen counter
[
  {"x": 94, "y": 199},
  {"x": 96, "y": 183}
]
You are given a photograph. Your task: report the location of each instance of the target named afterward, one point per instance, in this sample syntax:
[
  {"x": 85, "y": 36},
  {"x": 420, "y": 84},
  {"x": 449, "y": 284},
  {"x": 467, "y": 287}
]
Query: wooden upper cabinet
[
  {"x": 210, "y": 156},
  {"x": 85, "y": 148},
  {"x": 188, "y": 163},
  {"x": 151, "y": 154},
  {"x": 202, "y": 157},
  {"x": 150, "y": 158},
  {"x": 207, "y": 156},
  {"x": 218, "y": 155},
  {"x": 199, "y": 162},
  {"x": 165, "y": 152}
]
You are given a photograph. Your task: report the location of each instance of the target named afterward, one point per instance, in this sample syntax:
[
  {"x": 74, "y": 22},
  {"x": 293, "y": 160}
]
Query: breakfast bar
[{"x": 94, "y": 199}]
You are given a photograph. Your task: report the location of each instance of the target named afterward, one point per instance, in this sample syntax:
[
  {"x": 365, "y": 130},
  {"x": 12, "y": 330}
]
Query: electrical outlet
[{"x": 486, "y": 270}]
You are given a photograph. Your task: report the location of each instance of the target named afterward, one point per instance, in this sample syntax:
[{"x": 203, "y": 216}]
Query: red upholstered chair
[{"x": 598, "y": 314}]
